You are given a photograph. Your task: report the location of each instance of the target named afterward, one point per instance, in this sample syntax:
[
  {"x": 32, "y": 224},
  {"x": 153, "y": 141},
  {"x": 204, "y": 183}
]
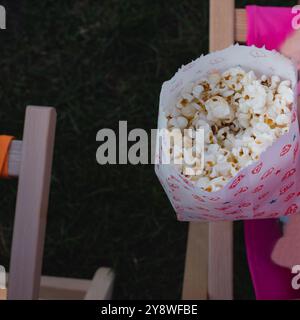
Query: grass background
[{"x": 99, "y": 62}]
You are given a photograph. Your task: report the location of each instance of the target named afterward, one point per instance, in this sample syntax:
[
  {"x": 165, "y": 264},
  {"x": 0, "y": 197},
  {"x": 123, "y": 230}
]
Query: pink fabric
[
  {"x": 267, "y": 26},
  {"x": 270, "y": 281}
]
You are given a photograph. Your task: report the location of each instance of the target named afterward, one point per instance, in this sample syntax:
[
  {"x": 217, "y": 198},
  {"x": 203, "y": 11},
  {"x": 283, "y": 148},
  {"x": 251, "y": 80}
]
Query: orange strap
[{"x": 4, "y": 148}]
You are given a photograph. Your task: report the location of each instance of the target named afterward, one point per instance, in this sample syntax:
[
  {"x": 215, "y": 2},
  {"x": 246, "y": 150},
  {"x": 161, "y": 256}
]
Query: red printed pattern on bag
[
  {"x": 263, "y": 195},
  {"x": 288, "y": 174},
  {"x": 291, "y": 209},
  {"x": 289, "y": 197},
  {"x": 176, "y": 199},
  {"x": 259, "y": 214},
  {"x": 236, "y": 181},
  {"x": 267, "y": 173},
  {"x": 257, "y": 168},
  {"x": 242, "y": 190},
  {"x": 202, "y": 208},
  {"x": 214, "y": 199},
  {"x": 274, "y": 215},
  {"x": 284, "y": 189},
  {"x": 256, "y": 207},
  {"x": 285, "y": 150},
  {"x": 198, "y": 198},
  {"x": 294, "y": 116},
  {"x": 223, "y": 208},
  {"x": 296, "y": 151},
  {"x": 232, "y": 212},
  {"x": 245, "y": 205},
  {"x": 258, "y": 188}
]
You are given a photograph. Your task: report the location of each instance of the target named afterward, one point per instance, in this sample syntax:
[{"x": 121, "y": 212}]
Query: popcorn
[
  {"x": 181, "y": 103},
  {"x": 244, "y": 119},
  {"x": 197, "y": 90},
  {"x": 255, "y": 97},
  {"x": 285, "y": 91},
  {"x": 222, "y": 168},
  {"x": 273, "y": 83},
  {"x": 179, "y": 122},
  {"x": 232, "y": 78},
  {"x": 186, "y": 92},
  {"x": 222, "y": 133},
  {"x": 227, "y": 93},
  {"x": 172, "y": 112},
  {"x": 217, "y": 108},
  {"x": 188, "y": 111},
  {"x": 203, "y": 182},
  {"x": 241, "y": 115},
  {"x": 213, "y": 79},
  {"x": 213, "y": 148},
  {"x": 243, "y": 155},
  {"x": 282, "y": 120},
  {"x": 248, "y": 78}
]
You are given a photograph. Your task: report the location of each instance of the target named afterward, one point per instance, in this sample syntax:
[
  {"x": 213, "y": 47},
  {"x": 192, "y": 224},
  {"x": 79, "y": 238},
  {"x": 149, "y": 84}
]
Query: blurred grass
[{"x": 98, "y": 63}]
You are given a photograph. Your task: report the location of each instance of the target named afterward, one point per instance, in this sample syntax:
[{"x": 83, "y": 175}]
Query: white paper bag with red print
[{"x": 268, "y": 188}]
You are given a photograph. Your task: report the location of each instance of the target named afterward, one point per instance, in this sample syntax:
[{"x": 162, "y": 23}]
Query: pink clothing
[{"x": 267, "y": 26}]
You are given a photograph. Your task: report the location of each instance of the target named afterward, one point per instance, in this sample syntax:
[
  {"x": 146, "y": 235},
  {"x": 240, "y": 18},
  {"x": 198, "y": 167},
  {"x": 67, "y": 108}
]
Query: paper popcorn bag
[{"x": 267, "y": 188}]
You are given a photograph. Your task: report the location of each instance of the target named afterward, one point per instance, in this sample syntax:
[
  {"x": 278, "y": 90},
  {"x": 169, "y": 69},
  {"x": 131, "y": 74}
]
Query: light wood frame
[
  {"x": 30, "y": 160},
  {"x": 32, "y": 202},
  {"x": 209, "y": 256}
]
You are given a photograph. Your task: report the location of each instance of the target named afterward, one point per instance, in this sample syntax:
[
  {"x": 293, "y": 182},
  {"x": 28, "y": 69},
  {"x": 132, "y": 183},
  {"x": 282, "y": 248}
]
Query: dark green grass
[{"x": 99, "y": 62}]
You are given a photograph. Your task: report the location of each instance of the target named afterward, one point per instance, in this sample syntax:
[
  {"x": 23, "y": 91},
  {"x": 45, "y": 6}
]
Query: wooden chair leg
[
  {"x": 196, "y": 262},
  {"x": 220, "y": 265},
  {"x": 220, "y": 261},
  {"x": 32, "y": 203},
  {"x": 209, "y": 266}
]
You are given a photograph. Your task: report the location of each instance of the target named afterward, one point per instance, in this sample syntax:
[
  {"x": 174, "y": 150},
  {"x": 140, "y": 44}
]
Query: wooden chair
[
  {"x": 31, "y": 160},
  {"x": 209, "y": 256}
]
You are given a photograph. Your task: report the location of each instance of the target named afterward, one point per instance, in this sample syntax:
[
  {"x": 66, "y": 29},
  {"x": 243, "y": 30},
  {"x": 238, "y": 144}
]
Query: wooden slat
[
  {"x": 196, "y": 263},
  {"x": 102, "y": 285},
  {"x": 240, "y": 24},
  {"x": 221, "y": 24},
  {"x": 14, "y": 158},
  {"x": 32, "y": 203},
  {"x": 57, "y": 288},
  {"x": 220, "y": 274},
  {"x": 220, "y": 260},
  {"x": 60, "y": 288},
  {"x": 3, "y": 294}
]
